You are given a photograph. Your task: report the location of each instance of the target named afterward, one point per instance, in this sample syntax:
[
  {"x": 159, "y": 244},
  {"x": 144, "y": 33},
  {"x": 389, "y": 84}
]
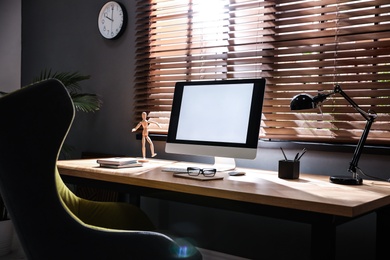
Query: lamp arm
[
  {"x": 370, "y": 118},
  {"x": 359, "y": 148},
  {"x": 367, "y": 116}
]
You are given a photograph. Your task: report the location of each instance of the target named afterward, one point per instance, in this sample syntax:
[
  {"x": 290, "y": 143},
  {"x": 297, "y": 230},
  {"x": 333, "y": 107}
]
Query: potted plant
[{"x": 85, "y": 102}]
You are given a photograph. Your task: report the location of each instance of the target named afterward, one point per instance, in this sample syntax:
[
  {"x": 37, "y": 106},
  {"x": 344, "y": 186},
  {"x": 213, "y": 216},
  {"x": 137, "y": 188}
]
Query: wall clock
[{"x": 112, "y": 20}]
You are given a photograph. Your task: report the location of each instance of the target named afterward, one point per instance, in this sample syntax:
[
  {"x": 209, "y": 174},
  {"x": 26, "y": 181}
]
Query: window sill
[{"x": 327, "y": 147}]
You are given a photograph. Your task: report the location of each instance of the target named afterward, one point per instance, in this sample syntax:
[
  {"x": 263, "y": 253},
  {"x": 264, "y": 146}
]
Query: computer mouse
[{"x": 236, "y": 173}]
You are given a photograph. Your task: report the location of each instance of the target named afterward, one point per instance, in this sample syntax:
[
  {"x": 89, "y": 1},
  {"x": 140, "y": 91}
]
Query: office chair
[{"x": 51, "y": 222}]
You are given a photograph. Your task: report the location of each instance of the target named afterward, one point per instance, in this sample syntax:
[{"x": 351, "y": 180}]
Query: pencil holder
[{"x": 288, "y": 169}]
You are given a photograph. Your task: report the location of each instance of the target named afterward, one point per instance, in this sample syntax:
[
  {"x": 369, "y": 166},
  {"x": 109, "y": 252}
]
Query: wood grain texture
[{"x": 312, "y": 193}]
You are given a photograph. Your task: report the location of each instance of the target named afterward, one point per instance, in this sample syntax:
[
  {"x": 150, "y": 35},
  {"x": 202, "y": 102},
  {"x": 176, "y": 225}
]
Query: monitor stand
[{"x": 224, "y": 164}]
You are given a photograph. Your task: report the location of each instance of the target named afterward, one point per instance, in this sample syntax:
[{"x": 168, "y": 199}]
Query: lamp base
[{"x": 346, "y": 180}]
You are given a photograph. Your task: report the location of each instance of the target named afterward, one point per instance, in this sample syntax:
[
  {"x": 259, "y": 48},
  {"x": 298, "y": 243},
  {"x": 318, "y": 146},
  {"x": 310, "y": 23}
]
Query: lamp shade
[{"x": 302, "y": 101}]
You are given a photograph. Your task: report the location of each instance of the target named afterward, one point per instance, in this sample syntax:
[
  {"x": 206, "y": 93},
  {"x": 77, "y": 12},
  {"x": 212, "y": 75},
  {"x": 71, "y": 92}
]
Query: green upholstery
[
  {"x": 103, "y": 214},
  {"x": 51, "y": 222}
]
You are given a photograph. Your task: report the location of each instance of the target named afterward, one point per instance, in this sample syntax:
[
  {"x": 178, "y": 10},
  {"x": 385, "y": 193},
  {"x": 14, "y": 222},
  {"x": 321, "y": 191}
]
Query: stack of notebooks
[{"x": 119, "y": 162}]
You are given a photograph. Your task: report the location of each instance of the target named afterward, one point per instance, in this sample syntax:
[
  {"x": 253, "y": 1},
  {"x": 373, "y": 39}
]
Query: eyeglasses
[{"x": 195, "y": 171}]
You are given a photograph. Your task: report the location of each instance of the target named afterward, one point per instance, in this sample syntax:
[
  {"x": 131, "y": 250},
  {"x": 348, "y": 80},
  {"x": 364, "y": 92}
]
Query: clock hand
[
  {"x": 108, "y": 18},
  {"x": 112, "y": 16}
]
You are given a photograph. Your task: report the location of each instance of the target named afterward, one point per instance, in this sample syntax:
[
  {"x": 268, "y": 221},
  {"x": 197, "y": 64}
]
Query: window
[{"x": 297, "y": 46}]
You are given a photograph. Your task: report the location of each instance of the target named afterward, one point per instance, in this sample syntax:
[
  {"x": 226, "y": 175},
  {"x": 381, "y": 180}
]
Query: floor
[
  {"x": 13, "y": 256},
  {"x": 207, "y": 255},
  {"x": 16, "y": 251},
  {"x": 17, "y": 254}
]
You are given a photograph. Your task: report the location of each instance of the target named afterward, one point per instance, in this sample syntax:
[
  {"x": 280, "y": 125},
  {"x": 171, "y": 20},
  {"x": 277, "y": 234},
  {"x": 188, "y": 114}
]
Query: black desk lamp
[{"x": 305, "y": 101}]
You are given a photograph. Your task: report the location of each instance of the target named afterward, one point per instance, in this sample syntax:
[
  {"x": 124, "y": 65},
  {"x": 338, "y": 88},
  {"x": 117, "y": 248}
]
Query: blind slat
[{"x": 303, "y": 46}]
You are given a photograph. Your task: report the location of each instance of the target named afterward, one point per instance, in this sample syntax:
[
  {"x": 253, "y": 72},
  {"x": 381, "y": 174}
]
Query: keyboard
[{"x": 174, "y": 169}]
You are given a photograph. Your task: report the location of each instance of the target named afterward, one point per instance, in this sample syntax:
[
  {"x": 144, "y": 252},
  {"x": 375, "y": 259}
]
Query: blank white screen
[{"x": 215, "y": 113}]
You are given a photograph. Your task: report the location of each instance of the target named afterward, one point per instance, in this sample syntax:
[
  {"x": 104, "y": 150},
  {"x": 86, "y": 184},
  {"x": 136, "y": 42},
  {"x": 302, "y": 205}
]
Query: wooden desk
[{"x": 310, "y": 199}]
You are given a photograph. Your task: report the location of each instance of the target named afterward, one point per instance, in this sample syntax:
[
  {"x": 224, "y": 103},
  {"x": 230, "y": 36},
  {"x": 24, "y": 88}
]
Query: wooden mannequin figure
[{"x": 145, "y": 136}]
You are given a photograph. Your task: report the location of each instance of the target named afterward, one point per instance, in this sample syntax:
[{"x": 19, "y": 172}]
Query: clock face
[{"x": 111, "y": 21}]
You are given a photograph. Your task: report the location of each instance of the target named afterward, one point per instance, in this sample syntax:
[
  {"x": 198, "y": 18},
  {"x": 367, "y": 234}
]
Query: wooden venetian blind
[{"x": 297, "y": 46}]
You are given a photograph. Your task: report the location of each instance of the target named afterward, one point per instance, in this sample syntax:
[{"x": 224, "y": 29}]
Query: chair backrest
[{"x": 34, "y": 123}]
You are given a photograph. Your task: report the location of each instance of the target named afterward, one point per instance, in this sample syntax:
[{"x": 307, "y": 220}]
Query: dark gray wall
[
  {"x": 62, "y": 35},
  {"x": 10, "y": 44}
]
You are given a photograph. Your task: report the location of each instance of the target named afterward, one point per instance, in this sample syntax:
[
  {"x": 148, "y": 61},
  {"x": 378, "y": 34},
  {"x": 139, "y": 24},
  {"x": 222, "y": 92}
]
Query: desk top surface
[{"x": 309, "y": 193}]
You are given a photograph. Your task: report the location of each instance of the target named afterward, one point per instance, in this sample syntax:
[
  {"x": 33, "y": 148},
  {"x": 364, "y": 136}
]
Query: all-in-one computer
[{"x": 216, "y": 118}]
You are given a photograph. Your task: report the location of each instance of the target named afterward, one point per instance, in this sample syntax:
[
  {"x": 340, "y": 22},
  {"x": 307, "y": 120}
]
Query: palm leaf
[
  {"x": 86, "y": 102},
  {"x": 69, "y": 79}
]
